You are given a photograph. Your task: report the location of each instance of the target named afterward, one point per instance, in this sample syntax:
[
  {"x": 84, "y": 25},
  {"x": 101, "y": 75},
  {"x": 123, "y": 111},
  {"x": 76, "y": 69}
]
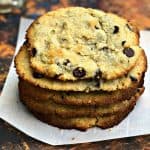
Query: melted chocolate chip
[
  {"x": 129, "y": 52},
  {"x": 129, "y": 27},
  {"x": 116, "y": 29},
  {"x": 96, "y": 27},
  {"x": 133, "y": 79},
  {"x": 123, "y": 42},
  {"x": 97, "y": 77},
  {"x": 66, "y": 61},
  {"x": 37, "y": 75},
  {"x": 33, "y": 52},
  {"x": 79, "y": 72}
]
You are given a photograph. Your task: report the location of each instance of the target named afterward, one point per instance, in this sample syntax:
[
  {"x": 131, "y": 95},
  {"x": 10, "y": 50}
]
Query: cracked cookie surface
[
  {"x": 77, "y": 43},
  {"x": 26, "y": 73}
]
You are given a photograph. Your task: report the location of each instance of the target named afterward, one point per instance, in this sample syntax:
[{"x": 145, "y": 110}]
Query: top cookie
[{"x": 77, "y": 43}]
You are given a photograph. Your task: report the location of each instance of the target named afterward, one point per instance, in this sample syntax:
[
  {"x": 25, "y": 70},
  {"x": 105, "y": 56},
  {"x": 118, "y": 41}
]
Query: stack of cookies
[{"x": 81, "y": 68}]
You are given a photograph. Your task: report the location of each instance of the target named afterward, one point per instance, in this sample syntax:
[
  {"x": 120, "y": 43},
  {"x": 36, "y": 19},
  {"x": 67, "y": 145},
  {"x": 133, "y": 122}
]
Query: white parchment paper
[{"x": 12, "y": 111}]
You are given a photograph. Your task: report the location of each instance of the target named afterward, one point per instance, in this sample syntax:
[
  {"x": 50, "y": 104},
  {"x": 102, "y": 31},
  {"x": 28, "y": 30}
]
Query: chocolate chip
[
  {"x": 79, "y": 72},
  {"x": 33, "y": 52},
  {"x": 129, "y": 27},
  {"x": 66, "y": 61},
  {"x": 37, "y": 75},
  {"x": 123, "y": 42},
  {"x": 129, "y": 52},
  {"x": 133, "y": 79},
  {"x": 96, "y": 27},
  {"x": 97, "y": 77},
  {"x": 116, "y": 29}
]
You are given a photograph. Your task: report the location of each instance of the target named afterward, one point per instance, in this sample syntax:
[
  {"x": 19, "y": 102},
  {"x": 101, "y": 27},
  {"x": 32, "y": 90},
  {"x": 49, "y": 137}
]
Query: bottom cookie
[{"x": 83, "y": 123}]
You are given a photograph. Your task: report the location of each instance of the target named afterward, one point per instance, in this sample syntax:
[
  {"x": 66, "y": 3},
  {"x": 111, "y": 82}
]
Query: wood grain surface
[{"x": 137, "y": 11}]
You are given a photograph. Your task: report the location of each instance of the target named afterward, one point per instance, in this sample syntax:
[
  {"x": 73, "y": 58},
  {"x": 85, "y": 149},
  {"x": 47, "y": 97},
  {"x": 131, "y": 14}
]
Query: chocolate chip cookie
[
  {"x": 77, "y": 43},
  {"x": 25, "y": 72},
  {"x": 70, "y": 98}
]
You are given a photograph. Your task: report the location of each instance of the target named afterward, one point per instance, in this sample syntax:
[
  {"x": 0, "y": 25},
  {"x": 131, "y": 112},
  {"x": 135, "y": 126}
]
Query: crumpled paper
[{"x": 12, "y": 111}]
